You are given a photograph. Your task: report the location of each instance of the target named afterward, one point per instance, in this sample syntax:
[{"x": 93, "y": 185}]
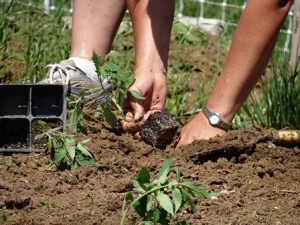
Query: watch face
[{"x": 214, "y": 119}]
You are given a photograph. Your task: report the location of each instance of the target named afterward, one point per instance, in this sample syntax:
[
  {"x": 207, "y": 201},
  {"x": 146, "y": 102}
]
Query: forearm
[
  {"x": 249, "y": 54},
  {"x": 152, "y": 24}
]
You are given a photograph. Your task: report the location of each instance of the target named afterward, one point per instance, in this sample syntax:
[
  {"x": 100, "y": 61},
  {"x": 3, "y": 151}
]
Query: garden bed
[{"x": 257, "y": 185}]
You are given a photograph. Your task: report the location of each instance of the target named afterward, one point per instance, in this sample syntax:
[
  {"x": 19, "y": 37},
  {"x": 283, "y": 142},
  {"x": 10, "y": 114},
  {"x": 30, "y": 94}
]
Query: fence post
[{"x": 295, "y": 51}]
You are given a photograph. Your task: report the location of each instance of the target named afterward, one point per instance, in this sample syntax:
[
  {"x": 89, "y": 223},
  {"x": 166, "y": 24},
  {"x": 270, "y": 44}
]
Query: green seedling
[
  {"x": 112, "y": 110},
  {"x": 75, "y": 119},
  {"x": 3, "y": 216},
  {"x": 69, "y": 154},
  {"x": 44, "y": 205},
  {"x": 10, "y": 164},
  {"x": 158, "y": 201}
]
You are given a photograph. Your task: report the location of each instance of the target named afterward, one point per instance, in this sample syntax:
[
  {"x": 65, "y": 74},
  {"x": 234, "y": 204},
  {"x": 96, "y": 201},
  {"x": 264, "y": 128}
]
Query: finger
[
  {"x": 136, "y": 106},
  {"x": 137, "y": 136},
  {"x": 138, "y": 111},
  {"x": 131, "y": 127}
]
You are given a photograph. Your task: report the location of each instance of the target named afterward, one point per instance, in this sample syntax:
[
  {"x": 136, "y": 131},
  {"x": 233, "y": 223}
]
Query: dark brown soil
[{"x": 257, "y": 181}]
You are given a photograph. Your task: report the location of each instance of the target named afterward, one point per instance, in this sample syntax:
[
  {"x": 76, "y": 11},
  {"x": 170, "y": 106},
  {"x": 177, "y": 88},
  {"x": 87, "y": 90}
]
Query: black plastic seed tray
[{"x": 22, "y": 107}]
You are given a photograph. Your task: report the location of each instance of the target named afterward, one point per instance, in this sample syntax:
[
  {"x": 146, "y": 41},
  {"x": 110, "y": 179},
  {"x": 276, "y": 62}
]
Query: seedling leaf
[
  {"x": 165, "y": 202},
  {"x": 136, "y": 95},
  {"x": 188, "y": 199},
  {"x": 162, "y": 176},
  {"x": 59, "y": 156},
  {"x": 144, "y": 176},
  {"x": 196, "y": 189},
  {"x": 109, "y": 116},
  {"x": 177, "y": 198}
]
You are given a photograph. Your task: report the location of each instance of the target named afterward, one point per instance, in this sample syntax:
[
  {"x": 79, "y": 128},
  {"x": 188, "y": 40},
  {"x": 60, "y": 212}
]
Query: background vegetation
[{"x": 30, "y": 39}]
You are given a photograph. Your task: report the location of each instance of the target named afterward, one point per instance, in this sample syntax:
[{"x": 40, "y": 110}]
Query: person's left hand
[{"x": 198, "y": 128}]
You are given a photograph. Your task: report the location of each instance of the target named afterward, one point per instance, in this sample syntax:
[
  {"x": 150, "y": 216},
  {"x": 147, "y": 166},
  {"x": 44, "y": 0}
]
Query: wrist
[{"x": 215, "y": 119}]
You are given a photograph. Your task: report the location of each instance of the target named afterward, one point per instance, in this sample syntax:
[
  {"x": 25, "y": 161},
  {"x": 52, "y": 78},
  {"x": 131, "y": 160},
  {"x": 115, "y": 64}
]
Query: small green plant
[
  {"x": 75, "y": 112},
  {"x": 158, "y": 201},
  {"x": 45, "y": 205},
  {"x": 112, "y": 110},
  {"x": 69, "y": 154},
  {"x": 10, "y": 164},
  {"x": 3, "y": 216}
]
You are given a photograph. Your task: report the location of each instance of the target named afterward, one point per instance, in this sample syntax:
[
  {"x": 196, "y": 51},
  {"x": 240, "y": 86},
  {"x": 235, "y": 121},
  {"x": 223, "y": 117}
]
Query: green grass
[
  {"x": 30, "y": 39},
  {"x": 276, "y": 103}
]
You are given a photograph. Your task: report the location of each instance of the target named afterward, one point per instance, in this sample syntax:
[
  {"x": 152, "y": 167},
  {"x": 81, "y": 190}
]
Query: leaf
[
  {"x": 129, "y": 197},
  {"x": 156, "y": 215},
  {"x": 140, "y": 206},
  {"x": 136, "y": 95},
  {"x": 165, "y": 202},
  {"x": 197, "y": 190},
  {"x": 148, "y": 223},
  {"x": 138, "y": 186},
  {"x": 85, "y": 141},
  {"x": 177, "y": 175},
  {"x": 109, "y": 116},
  {"x": 144, "y": 176},
  {"x": 149, "y": 203},
  {"x": 186, "y": 198},
  {"x": 59, "y": 156},
  {"x": 72, "y": 124},
  {"x": 164, "y": 171},
  {"x": 180, "y": 28},
  {"x": 70, "y": 147},
  {"x": 177, "y": 198},
  {"x": 43, "y": 125},
  {"x": 84, "y": 150}
]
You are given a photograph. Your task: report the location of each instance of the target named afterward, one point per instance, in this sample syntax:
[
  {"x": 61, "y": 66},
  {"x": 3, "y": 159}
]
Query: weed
[
  {"x": 10, "y": 164},
  {"x": 45, "y": 205},
  {"x": 276, "y": 104},
  {"x": 3, "y": 216},
  {"x": 157, "y": 201}
]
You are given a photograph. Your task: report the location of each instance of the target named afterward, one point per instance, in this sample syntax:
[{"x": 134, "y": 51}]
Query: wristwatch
[{"x": 215, "y": 119}]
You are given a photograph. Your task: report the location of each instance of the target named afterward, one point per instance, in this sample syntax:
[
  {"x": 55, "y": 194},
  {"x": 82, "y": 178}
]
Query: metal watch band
[{"x": 221, "y": 124}]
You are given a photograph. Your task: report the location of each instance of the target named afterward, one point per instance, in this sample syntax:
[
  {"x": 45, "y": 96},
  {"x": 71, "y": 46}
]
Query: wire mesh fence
[
  {"x": 205, "y": 14},
  {"x": 227, "y": 14}
]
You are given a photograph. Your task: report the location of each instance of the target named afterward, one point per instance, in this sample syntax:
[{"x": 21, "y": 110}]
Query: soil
[{"x": 257, "y": 181}]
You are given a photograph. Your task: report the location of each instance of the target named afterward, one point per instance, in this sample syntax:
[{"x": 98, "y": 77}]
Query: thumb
[
  {"x": 136, "y": 105},
  {"x": 137, "y": 110}
]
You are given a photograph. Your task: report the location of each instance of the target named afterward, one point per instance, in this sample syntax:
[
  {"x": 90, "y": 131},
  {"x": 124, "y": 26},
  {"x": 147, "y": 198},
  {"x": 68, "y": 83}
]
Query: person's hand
[
  {"x": 198, "y": 128},
  {"x": 153, "y": 88}
]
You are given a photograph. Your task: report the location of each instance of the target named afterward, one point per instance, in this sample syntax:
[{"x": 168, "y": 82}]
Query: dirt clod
[{"x": 159, "y": 129}]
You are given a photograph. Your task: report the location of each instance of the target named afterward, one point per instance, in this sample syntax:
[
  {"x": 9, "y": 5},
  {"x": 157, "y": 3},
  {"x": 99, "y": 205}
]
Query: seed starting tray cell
[{"x": 22, "y": 107}]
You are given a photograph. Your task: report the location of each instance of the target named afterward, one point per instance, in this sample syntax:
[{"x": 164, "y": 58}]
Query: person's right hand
[{"x": 153, "y": 87}]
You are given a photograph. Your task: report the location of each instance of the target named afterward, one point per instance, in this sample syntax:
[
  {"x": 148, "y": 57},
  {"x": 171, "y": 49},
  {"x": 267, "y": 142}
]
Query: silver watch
[{"x": 215, "y": 119}]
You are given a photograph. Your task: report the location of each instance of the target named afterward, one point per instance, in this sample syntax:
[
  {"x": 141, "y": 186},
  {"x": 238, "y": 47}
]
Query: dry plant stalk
[{"x": 287, "y": 136}]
